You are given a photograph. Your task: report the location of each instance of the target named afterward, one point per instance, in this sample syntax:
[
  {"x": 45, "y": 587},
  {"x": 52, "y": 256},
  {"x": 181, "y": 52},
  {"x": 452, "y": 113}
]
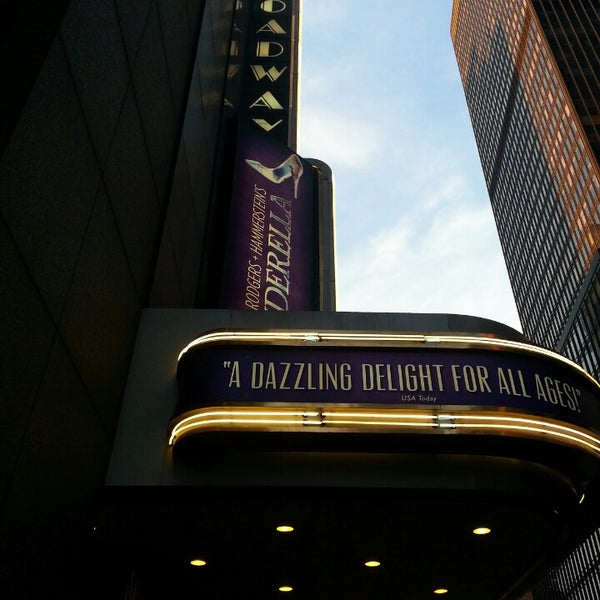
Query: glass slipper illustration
[{"x": 291, "y": 167}]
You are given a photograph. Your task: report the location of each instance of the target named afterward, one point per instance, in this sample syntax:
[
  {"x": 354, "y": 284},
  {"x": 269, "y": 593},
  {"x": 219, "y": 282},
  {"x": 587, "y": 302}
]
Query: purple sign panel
[
  {"x": 269, "y": 263},
  {"x": 230, "y": 375}
]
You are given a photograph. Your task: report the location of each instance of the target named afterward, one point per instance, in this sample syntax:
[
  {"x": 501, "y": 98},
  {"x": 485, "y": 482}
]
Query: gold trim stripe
[
  {"x": 330, "y": 418},
  {"x": 371, "y": 339}
]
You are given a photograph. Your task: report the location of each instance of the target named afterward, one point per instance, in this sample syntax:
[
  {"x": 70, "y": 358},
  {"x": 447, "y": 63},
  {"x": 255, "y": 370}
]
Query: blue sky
[{"x": 381, "y": 102}]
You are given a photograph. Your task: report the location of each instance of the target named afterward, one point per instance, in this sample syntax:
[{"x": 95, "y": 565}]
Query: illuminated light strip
[
  {"x": 259, "y": 412},
  {"x": 292, "y": 417},
  {"x": 377, "y": 415},
  {"x": 559, "y": 434},
  {"x": 447, "y": 422},
  {"x": 409, "y": 340},
  {"x": 241, "y": 417},
  {"x": 500, "y": 422},
  {"x": 534, "y": 425},
  {"x": 532, "y": 421},
  {"x": 432, "y": 423}
]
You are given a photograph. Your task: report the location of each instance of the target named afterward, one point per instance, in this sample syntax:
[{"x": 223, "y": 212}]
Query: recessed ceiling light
[
  {"x": 372, "y": 563},
  {"x": 285, "y": 528},
  {"x": 198, "y": 562},
  {"x": 286, "y": 588},
  {"x": 481, "y": 530},
  {"x": 440, "y": 591}
]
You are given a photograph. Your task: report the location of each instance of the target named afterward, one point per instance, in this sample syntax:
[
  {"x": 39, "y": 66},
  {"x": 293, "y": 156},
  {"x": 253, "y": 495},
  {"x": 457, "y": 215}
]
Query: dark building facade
[
  {"x": 531, "y": 75},
  {"x": 110, "y": 142},
  {"x": 117, "y": 146}
]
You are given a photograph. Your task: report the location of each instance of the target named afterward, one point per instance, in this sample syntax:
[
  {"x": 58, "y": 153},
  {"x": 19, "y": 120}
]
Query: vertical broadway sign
[
  {"x": 263, "y": 74},
  {"x": 272, "y": 236},
  {"x": 268, "y": 91}
]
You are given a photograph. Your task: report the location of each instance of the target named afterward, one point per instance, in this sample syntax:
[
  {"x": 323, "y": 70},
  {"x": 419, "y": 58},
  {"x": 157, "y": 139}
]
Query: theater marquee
[{"x": 361, "y": 382}]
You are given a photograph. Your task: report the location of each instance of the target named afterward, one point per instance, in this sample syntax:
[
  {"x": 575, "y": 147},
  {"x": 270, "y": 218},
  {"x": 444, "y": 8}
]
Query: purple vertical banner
[{"x": 269, "y": 261}]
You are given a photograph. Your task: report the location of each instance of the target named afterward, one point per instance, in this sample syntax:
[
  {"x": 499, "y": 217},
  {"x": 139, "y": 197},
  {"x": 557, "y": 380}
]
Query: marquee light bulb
[
  {"x": 481, "y": 530},
  {"x": 198, "y": 562},
  {"x": 372, "y": 563}
]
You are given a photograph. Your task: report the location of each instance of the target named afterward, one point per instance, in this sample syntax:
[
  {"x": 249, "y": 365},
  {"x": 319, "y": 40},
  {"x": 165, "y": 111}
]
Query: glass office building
[{"x": 531, "y": 75}]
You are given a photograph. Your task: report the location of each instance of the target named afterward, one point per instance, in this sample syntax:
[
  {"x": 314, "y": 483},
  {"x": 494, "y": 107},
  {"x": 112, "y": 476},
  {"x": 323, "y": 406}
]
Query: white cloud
[
  {"x": 442, "y": 261},
  {"x": 319, "y": 16},
  {"x": 328, "y": 135}
]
